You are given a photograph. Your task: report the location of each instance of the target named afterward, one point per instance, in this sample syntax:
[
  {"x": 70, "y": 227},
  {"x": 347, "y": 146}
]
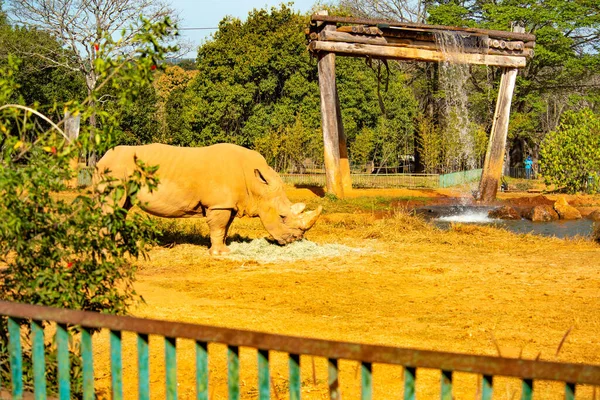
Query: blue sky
[{"x": 207, "y": 14}]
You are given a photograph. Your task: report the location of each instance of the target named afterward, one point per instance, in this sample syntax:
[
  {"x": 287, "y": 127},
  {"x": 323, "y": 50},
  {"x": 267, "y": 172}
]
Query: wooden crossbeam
[
  {"x": 513, "y": 49},
  {"x": 418, "y": 54}
]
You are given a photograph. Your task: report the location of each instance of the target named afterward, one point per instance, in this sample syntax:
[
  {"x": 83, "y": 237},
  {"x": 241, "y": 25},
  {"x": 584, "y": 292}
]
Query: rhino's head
[{"x": 285, "y": 221}]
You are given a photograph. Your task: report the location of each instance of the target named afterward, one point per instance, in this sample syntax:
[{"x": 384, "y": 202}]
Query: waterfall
[{"x": 453, "y": 76}]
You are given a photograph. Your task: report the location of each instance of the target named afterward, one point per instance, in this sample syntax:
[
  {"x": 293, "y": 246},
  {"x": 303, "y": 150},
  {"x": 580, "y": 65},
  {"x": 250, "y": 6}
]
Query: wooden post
[
  {"x": 72, "y": 124},
  {"x": 492, "y": 167},
  {"x": 494, "y": 157},
  {"x": 71, "y": 127},
  {"x": 331, "y": 123}
]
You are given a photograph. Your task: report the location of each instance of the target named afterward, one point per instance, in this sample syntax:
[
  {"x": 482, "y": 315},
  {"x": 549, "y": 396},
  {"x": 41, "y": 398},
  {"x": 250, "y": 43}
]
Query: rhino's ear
[{"x": 260, "y": 176}]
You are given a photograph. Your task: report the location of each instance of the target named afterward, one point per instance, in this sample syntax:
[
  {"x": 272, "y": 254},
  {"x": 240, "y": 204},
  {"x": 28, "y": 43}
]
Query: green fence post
[
  {"x": 201, "y": 371},
  {"x": 233, "y": 372},
  {"x": 409, "y": 383},
  {"x": 143, "y": 367},
  {"x": 171, "y": 368},
  {"x": 116, "y": 365},
  {"x": 487, "y": 387},
  {"x": 88, "y": 364},
  {"x": 569, "y": 391},
  {"x": 39, "y": 362},
  {"x": 64, "y": 379},
  {"x": 526, "y": 389},
  {"x": 294, "y": 365},
  {"x": 16, "y": 357},
  {"x": 366, "y": 373},
  {"x": 446, "y": 382},
  {"x": 264, "y": 378},
  {"x": 334, "y": 385}
]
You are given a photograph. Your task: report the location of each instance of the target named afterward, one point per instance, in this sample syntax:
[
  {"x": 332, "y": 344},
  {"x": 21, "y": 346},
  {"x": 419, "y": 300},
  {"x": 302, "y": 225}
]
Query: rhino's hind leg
[{"x": 219, "y": 222}]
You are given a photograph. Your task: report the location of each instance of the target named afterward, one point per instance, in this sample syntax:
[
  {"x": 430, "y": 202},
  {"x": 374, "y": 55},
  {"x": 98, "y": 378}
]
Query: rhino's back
[{"x": 191, "y": 178}]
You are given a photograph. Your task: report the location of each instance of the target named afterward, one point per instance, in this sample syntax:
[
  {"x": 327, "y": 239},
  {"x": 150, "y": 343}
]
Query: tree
[
  {"x": 258, "y": 86},
  {"x": 399, "y": 10},
  {"x": 86, "y": 27},
  {"x": 570, "y": 155},
  {"x": 138, "y": 121},
  {"x": 170, "y": 87},
  {"x": 253, "y": 77}
]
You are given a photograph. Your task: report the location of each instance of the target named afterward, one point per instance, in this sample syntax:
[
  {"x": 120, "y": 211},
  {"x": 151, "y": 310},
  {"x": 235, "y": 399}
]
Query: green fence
[
  {"x": 487, "y": 367},
  {"x": 459, "y": 178}
]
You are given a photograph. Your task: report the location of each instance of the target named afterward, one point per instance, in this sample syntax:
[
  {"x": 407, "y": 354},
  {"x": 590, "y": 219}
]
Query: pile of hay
[{"x": 263, "y": 251}]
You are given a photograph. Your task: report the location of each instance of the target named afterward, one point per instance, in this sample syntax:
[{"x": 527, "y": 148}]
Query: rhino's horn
[
  {"x": 297, "y": 208},
  {"x": 309, "y": 218}
]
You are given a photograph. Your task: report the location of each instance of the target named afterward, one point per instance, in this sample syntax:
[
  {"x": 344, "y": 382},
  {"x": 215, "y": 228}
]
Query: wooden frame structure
[{"x": 384, "y": 40}]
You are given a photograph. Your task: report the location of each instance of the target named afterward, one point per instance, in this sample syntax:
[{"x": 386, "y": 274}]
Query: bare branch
[
  {"x": 42, "y": 116},
  {"x": 400, "y": 10},
  {"x": 80, "y": 25}
]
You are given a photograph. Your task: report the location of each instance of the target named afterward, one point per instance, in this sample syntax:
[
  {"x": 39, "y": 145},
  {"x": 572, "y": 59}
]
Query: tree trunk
[{"x": 91, "y": 80}]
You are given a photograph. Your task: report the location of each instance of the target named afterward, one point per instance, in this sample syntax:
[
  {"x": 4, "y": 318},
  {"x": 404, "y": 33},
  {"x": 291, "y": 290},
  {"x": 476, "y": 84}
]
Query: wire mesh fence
[{"x": 430, "y": 181}]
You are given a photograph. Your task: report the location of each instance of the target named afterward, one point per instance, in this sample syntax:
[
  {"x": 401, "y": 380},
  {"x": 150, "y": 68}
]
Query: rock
[
  {"x": 565, "y": 211},
  {"x": 594, "y": 215},
  {"x": 542, "y": 213},
  {"x": 504, "y": 212}
]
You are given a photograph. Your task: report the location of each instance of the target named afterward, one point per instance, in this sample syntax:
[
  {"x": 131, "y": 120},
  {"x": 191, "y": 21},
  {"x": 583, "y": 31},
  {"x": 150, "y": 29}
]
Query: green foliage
[
  {"x": 430, "y": 143},
  {"x": 39, "y": 84},
  {"x": 377, "y": 102},
  {"x": 363, "y": 146},
  {"x": 257, "y": 86},
  {"x": 63, "y": 246},
  {"x": 254, "y": 77},
  {"x": 137, "y": 121},
  {"x": 288, "y": 147},
  {"x": 570, "y": 156}
]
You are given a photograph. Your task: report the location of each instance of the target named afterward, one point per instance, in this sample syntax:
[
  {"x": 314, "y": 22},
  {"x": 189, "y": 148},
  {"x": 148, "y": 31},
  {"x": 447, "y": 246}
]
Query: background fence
[
  {"x": 460, "y": 178},
  {"x": 430, "y": 181},
  {"x": 316, "y": 177},
  {"x": 519, "y": 173}
]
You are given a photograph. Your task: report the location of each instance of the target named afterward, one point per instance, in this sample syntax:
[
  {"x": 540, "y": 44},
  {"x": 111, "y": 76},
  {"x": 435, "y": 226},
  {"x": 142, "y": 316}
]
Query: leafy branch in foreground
[{"x": 61, "y": 245}]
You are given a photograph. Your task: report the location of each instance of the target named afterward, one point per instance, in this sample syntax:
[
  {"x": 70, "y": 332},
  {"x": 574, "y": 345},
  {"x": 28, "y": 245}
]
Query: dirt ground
[{"x": 472, "y": 289}]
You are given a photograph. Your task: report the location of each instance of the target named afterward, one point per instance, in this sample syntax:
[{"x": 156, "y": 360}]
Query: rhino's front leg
[{"x": 219, "y": 222}]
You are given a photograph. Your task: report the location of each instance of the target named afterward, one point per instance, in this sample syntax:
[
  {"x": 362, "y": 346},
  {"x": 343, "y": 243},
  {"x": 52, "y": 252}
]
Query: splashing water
[
  {"x": 454, "y": 74},
  {"x": 469, "y": 216}
]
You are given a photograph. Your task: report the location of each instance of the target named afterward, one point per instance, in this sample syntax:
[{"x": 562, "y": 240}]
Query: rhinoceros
[{"x": 218, "y": 182}]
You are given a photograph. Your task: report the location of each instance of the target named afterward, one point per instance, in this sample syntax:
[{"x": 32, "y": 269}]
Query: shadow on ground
[
  {"x": 172, "y": 238},
  {"x": 317, "y": 190}
]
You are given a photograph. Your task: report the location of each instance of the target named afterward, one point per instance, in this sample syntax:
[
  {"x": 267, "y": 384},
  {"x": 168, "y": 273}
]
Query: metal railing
[
  {"x": 359, "y": 180},
  {"x": 521, "y": 173},
  {"x": 527, "y": 370}
]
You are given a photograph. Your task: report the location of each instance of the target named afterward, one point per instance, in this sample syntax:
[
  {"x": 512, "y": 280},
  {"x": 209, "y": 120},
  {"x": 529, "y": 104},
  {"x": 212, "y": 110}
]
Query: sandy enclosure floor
[{"x": 396, "y": 281}]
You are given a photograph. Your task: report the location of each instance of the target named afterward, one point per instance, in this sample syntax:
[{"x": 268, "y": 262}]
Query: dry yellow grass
[{"x": 471, "y": 289}]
